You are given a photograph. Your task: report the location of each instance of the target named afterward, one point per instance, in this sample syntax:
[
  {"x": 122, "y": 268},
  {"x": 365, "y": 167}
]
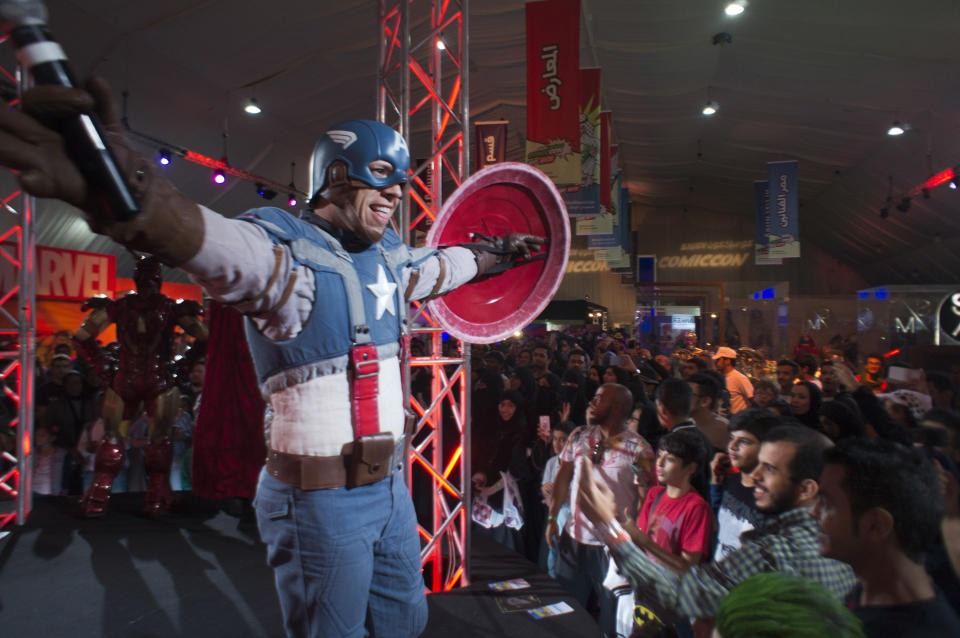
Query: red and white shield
[{"x": 504, "y": 198}]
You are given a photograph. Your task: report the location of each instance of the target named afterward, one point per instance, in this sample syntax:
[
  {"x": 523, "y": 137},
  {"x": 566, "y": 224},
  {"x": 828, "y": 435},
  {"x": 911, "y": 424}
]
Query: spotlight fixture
[
  {"x": 441, "y": 45},
  {"x": 291, "y": 197},
  {"x": 163, "y": 157},
  {"x": 884, "y": 212},
  {"x": 953, "y": 184},
  {"x": 265, "y": 192},
  {"x": 252, "y": 107},
  {"x": 904, "y": 205},
  {"x": 735, "y": 8},
  {"x": 722, "y": 38},
  {"x": 710, "y": 108},
  {"x": 219, "y": 177},
  {"x": 896, "y": 129}
]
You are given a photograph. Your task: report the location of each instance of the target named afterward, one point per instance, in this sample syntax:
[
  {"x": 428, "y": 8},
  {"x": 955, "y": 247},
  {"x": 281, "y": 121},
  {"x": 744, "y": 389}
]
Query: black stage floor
[{"x": 201, "y": 573}]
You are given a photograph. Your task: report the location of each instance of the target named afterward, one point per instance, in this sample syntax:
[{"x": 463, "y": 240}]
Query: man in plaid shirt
[{"x": 786, "y": 484}]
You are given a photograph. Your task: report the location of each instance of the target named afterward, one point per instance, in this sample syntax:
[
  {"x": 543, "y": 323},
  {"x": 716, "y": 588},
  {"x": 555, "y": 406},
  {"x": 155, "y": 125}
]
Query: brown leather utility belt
[{"x": 363, "y": 461}]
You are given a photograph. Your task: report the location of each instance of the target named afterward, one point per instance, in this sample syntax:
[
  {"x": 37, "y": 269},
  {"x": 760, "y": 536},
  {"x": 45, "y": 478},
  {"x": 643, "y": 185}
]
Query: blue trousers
[{"x": 346, "y": 562}]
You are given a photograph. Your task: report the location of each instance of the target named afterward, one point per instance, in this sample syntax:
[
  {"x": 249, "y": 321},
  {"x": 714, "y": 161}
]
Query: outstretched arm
[
  {"x": 435, "y": 272},
  {"x": 168, "y": 225}
]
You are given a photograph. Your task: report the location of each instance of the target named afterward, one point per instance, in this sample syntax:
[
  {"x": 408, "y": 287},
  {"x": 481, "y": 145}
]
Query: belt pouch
[{"x": 370, "y": 460}]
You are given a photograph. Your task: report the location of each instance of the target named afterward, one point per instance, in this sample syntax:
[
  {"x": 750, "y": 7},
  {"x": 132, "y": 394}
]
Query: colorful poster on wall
[
  {"x": 761, "y": 232},
  {"x": 784, "y": 238},
  {"x": 553, "y": 89},
  {"x": 490, "y": 139}
]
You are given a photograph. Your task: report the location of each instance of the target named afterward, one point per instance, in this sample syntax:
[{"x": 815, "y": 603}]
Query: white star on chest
[{"x": 384, "y": 291}]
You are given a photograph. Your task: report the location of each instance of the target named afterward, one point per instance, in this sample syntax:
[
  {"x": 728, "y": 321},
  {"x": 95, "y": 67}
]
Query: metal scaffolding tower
[
  {"x": 17, "y": 342},
  {"x": 423, "y": 92}
]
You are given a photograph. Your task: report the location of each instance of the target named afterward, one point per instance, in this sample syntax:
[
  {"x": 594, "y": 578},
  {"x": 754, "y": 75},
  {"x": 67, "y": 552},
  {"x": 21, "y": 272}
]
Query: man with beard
[
  {"x": 787, "y": 373},
  {"x": 879, "y": 510},
  {"x": 620, "y": 459},
  {"x": 738, "y": 385},
  {"x": 785, "y": 486}
]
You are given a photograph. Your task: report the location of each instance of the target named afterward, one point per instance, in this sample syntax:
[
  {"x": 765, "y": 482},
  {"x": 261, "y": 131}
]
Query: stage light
[
  {"x": 219, "y": 177},
  {"x": 252, "y": 107},
  {"x": 441, "y": 45},
  {"x": 264, "y": 192},
  {"x": 953, "y": 184},
  {"x": 896, "y": 129},
  {"x": 291, "y": 200},
  {"x": 710, "y": 108},
  {"x": 904, "y": 205},
  {"x": 735, "y": 8},
  {"x": 163, "y": 157}
]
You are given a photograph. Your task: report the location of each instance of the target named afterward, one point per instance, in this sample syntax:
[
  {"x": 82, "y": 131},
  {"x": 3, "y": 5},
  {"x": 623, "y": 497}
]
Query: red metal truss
[
  {"x": 17, "y": 342},
  {"x": 423, "y": 92}
]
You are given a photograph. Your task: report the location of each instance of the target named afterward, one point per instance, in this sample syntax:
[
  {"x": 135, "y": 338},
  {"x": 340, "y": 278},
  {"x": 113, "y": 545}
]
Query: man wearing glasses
[{"x": 624, "y": 462}]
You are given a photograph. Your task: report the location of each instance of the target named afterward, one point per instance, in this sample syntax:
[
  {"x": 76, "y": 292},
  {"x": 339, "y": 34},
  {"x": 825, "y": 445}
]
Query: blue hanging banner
[
  {"x": 783, "y": 241},
  {"x": 623, "y": 231},
  {"x": 761, "y": 233}
]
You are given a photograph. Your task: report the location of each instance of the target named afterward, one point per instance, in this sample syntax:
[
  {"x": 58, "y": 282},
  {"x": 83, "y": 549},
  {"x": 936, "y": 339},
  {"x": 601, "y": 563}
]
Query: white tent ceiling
[{"x": 818, "y": 81}]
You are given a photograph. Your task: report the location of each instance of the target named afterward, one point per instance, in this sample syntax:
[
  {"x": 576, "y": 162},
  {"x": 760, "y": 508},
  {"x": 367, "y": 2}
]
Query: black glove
[{"x": 496, "y": 254}]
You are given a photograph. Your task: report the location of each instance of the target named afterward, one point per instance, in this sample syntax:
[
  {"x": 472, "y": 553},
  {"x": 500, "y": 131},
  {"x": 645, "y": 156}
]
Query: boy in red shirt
[{"x": 675, "y": 524}]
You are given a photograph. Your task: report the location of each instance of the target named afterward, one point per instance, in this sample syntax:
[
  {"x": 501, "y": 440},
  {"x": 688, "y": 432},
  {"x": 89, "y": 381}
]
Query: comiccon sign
[{"x": 66, "y": 275}]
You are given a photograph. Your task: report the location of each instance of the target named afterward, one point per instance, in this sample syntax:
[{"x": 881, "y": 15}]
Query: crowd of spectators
[
  {"x": 708, "y": 488},
  {"x": 702, "y": 485}
]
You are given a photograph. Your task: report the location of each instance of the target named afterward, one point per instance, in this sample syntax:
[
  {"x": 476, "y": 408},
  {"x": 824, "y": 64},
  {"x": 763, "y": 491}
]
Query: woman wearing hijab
[
  {"x": 805, "y": 399},
  {"x": 502, "y": 448}
]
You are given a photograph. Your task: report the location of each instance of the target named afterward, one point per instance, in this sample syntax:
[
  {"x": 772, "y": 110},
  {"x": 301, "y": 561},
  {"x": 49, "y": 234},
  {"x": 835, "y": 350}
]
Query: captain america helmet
[{"x": 356, "y": 143}]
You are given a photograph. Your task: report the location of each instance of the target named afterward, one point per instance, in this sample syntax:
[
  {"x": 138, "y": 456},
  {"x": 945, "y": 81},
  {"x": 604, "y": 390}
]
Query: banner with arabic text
[
  {"x": 490, "y": 139},
  {"x": 784, "y": 238},
  {"x": 553, "y": 89}
]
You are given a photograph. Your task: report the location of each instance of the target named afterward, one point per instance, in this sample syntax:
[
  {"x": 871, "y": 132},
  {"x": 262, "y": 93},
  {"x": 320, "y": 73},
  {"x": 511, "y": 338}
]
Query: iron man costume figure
[{"x": 142, "y": 380}]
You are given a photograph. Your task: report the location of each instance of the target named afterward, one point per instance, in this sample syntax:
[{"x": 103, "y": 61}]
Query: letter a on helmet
[{"x": 509, "y": 197}]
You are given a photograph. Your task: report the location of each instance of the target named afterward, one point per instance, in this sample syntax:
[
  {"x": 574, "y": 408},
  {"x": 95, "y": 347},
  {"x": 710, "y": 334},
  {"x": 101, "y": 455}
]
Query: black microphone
[{"x": 24, "y": 21}]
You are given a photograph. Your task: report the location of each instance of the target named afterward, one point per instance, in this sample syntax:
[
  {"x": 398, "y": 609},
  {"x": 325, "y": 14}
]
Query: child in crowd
[
  {"x": 731, "y": 493},
  {"x": 675, "y": 523},
  {"x": 559, "y": 435}
]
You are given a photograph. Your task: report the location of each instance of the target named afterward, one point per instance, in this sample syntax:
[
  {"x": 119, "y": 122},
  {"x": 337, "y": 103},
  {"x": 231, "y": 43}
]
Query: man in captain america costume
[{"x": 325, "y": 299}]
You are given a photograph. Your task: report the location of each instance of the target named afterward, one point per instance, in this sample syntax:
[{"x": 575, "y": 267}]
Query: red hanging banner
[
  {"x": 553, "y": 89},
  {"x": 490, "y": 139}
]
